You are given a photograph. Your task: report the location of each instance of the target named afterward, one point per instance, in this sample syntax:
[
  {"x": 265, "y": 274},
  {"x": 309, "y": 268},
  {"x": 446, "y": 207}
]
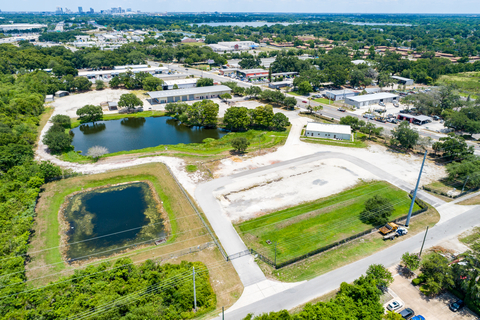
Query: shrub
[
  {"x": 416, "y": 281},
  {"x": 62, "y": 120},
  {"x": 240, "y": 144},
  {"x": 378, "y": 210}
]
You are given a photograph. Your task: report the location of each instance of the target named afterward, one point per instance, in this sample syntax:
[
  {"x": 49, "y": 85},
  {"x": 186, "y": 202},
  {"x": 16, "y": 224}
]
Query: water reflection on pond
[
  {"x": 104, "y": 221},
  {"x": 138, "y": 133}
]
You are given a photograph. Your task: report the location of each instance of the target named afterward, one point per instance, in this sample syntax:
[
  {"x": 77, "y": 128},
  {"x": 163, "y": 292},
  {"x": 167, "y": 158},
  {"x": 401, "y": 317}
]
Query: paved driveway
[{"x": 431, "y": 308}]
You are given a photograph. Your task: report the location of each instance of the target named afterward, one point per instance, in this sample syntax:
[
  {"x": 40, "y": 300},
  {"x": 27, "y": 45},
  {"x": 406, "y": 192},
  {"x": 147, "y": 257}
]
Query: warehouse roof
[
  {"x": 329, "y": 127},
  {"x": 419, "y": 117},
  {"x": 254, "y": 71},
  {"x": 180, "y": 81},
  {"x": 375, "y": 96},
  {"x": 184, "y": 92},
  {"x": 401, "y": 78}
]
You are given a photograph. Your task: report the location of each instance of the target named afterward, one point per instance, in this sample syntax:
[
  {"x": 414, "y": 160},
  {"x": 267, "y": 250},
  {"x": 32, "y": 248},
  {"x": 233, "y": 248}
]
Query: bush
[
  {"x": 416, "y": 281},
  {"x": 240, "y": 144},
  {"x": 57, "y": 140}
]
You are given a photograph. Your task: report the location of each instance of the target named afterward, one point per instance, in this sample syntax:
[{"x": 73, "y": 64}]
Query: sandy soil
[{"x": 249, "y": 198}]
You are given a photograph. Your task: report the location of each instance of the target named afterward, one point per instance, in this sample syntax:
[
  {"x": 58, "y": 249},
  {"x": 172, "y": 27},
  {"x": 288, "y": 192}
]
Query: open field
[
  {"x": 346, "y": 254},
  {"x": 466, "y": 82},
  {"x": 295, "y": 93},
  {"x": 187, "y": 231},
  {"x": 323, "y": 100},
  {"x": 306, "y": 227},
  {"x": 471, "y": 237}
]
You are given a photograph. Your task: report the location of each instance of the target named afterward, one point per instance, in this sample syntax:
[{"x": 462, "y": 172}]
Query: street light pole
[
  {"x": 415, "y": 191},
  {"x": 424, "y": 237}
]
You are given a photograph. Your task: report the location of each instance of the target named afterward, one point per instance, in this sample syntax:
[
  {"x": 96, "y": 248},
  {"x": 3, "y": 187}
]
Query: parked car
[
  {"x": 457, "y": 305},
  {"x": 381, "y": 104},
  {"x": 341, "y": 110},
  {"x": 394, "y": 305},
  {"x": 407, "y": 313},
  {"x": 392, "y": 120},
  {"x": 368, "y": 116},
  {"x": 305, "y": 101},
  {"x": 436, "y": 118},
  {"x": 418, "y": 317}
]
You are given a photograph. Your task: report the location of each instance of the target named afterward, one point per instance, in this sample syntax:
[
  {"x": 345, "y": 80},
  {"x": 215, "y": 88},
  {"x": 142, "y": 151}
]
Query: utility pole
[
  {"x": 194, "y": 291},
  {"x": 424, "y": 237},
  {"x": 415, "y": 191},
  {"x": 465, "y": 183},
  {"x": 223, "y": 313},
  {"x": 275, "y": 254}
]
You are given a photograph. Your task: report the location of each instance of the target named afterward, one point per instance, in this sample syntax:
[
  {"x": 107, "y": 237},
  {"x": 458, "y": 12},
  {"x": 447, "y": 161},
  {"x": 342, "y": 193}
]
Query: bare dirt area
[
  {"x": 431, "y": 308},
  {"x": 252, "y": 197}
]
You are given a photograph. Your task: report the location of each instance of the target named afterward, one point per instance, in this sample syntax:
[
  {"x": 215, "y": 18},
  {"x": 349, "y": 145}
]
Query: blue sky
[{"x": 308, "y": 6}]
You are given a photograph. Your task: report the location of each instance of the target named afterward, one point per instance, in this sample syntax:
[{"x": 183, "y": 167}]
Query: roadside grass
[
  {"x": 358, "y": 143},
  {"x": 472, "y": 201},
  {"x": 118, "y": 116},
  {"x": 295, "y": 93},
  {"x": 471, "y": 237},
  {"x": 191, "y": 168},
  {"x": 309, "y": 226},
  {"x": 345, "y": 254},
  {"x": 186, "y": 228},
  {"x": 322, "y": 100},
  {"x": 441, "y": 188}
]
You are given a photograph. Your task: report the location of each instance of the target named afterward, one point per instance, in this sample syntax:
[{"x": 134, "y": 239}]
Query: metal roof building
[
  {"x": 402, "y": 80},
  {"x": 369, "y": 99},
  {"x": 197, "y": 93},
  {"x": 420, "y": 119},
  {"x": 328, "y": 131}
]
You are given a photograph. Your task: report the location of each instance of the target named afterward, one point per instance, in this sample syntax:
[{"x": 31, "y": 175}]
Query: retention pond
[
  {"x": 103, "y": 221},
  {"x": 138, "y": 133}
]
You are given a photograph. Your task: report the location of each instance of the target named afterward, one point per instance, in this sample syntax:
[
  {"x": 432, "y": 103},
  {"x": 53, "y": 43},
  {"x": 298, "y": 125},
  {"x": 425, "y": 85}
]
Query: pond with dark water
[
  {"x": 138, "y": 133},
  {"x": 108, "y": 220}
]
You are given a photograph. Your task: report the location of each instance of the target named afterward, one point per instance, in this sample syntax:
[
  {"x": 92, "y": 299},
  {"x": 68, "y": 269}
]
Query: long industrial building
[
  {"x": 106, "y": 75},
  {"x": 198, "y": 93},
  {"x": 369, "y": 99}
]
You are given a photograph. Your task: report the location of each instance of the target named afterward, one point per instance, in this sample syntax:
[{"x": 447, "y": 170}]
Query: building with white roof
[
  {"x": 197, "y": 93},
  {"x": 369, "y": 99},
  {"x": 336, "y": 95},
  {"x": 233, "y": 46},
  {"x": 328, "y": 131},
  {"x": 404, "y": 81},
  {"x": 181, "y": 83}
]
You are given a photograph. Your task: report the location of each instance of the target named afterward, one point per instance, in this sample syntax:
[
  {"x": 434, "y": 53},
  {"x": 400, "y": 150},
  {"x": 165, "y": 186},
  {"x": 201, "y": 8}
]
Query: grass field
[
  {"x": 346, "y": 254},
  {"x": 295, "y": 93},
  {"x": 323, "y": 100},
  {"x": 466, "y": 82},
  {"x": 358, "y": 143},
  {"x": 306, "y": 227}
]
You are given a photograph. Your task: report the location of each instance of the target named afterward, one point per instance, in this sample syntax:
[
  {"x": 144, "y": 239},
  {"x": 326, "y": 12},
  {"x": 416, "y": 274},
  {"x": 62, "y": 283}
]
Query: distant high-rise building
[
  {"x": 129, "y": 9},
  {"x": 59, "y": 10},
  {"x": 119, "y": 9},
  {"x": 91, "y": 10},
  {"x": 114, "y": 10},
  {"x": 80, "y": 10}
]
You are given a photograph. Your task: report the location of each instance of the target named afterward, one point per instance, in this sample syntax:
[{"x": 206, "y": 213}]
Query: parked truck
[
  {"x": 401, "y": 231},
  {"x": 389, "y": 227}
]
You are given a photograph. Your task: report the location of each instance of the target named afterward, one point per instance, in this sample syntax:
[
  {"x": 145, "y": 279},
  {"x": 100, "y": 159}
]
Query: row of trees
[
  {"x": 205, "y": 114},
  {"x": 359, "y": 300},
  {"x": 362, "y": 126}
]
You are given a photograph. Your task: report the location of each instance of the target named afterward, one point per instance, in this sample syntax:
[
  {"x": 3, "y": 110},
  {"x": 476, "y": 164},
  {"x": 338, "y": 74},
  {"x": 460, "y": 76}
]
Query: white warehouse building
[
  {"x": 369, "y": 99},
  {"x": 328, "y": 131},
  {"x": 190, "y": 94},
  {"x": 181, "y": 83}
]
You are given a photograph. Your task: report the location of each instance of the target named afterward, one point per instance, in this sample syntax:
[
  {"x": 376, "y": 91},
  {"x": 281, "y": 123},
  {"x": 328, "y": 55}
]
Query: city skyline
[{"x": 281, "y": 6}]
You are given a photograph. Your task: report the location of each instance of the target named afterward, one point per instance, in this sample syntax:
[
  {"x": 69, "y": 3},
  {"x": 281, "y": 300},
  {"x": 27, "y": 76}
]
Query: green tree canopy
[
  {"x": 378, "y": 210},
  {"x": 404, "y": 136},
  {"x": 130, "y": 101},
  {"x": 90, "y": 113}
]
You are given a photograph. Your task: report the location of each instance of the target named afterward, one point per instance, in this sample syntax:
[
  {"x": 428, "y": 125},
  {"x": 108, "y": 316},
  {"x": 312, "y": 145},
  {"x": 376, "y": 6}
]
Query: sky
[{"x": 303, "y": 6}]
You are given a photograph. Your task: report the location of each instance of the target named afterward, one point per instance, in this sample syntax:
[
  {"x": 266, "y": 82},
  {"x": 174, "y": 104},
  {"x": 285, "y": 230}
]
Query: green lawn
[
  {"x": 322, "y": 100},
  {"x": 306, "y": 227},
  {"x": 358, "y": 143},
  {"x": 465, "y": 81},
  {"x": 295, "y": 93}
]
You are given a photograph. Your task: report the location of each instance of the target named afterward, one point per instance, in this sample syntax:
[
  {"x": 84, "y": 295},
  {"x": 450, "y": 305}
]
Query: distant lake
[
  {"x": 242, "y": 24},
  {"x": 138, "y": 133},
  {"x": 379, "y": 24}
]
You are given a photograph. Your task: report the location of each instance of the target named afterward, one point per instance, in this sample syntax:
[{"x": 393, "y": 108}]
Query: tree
[
  {"x": 62, "y": 120},
  {"x": 357, "y": 77},
  {"x": 225, "y": 96},
  {"x": 391, "y": 315},
  {"x": 435, "y": 271},
  {"x": 240, "y": 144},
  {"x": 236, "y": 119},
  {"x": 454, "y": 146},
  {"x": 82, "y": 84},
  {"x": 204, "y": 82},
  {"x": 99, "y": 85},
  {"x": 90, "y": 113},
  {"x": 203, "y": 113},
  {"x": 57, "y": 140},
  {"x": 468, "y": 170},
  {"x": 130, "y": 101},
  {"x": 253, "y": 91},
  {"x": 411, "y": 261},
  {"x": 404, "y": 136},
  {"x": 262, "y": 116},
  {"x": 175, "y": 86},
  {"x": 381, "y": 274},
  {"x": 239, "y": 91},
  {"x": 370, "y": 129},
  {"x": 115, "y": 82},
  {"x": 378, "y": 210},
  {"x": 305, "y": 88},
  {"x": 96, "y": 152},
  {"x": 249, "y": 63},
  {"x": 280, "y": 121},
  {"x": 290, "y": 102},
  {"x": 152, "y": 84}
]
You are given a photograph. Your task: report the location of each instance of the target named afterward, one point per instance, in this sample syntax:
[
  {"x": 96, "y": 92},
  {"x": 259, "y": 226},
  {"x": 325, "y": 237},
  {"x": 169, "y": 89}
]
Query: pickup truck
[
  {"x": 401, "y": 231},
  {"x": 389, "y": 227}
]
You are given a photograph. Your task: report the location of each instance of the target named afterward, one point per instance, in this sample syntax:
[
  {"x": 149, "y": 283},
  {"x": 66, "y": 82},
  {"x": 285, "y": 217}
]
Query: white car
[{"x": 394, "y": 305}]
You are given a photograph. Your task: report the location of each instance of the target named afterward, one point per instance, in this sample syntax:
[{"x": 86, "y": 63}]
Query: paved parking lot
[{"x": 431, "y": 308}]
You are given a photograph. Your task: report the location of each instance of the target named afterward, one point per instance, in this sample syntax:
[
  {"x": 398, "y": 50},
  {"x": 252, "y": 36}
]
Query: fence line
[
  {"x": 225, "y": 256},
  {"x": 445, "y": 194},
  {"x": 422, "y": 204}
]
